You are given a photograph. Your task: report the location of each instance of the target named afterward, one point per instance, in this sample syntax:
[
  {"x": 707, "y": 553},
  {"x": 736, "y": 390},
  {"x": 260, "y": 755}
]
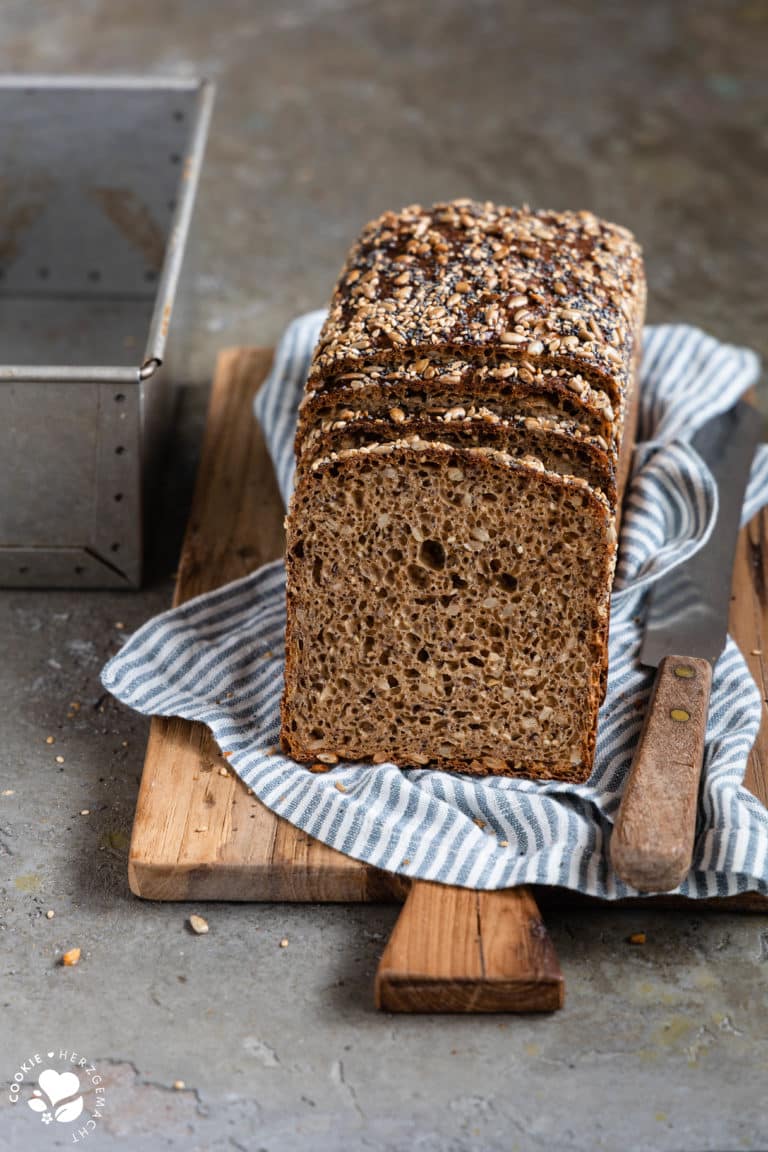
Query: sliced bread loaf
[{"x": 462, "y": 450}]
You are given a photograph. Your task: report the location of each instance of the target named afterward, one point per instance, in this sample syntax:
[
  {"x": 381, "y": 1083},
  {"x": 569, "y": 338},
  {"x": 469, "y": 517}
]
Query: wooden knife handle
[{"x": 652, "y": 842}]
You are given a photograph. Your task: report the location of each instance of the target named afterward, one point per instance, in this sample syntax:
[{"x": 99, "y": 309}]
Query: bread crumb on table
[
  {"x": 71, "y": 958},
  {"x": 198, "y": 924},
  {"x": 637, "y": 938}
]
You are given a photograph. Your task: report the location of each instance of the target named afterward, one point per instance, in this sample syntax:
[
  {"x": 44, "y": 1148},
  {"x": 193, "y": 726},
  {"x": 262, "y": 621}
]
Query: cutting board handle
[
  {"x": 457, "y": 950},
  {"x": 652, "y": 842}
]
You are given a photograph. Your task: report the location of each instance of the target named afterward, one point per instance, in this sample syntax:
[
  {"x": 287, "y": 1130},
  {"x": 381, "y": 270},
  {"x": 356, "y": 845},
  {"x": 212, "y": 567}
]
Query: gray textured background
[{"x": 329, "y": 111}]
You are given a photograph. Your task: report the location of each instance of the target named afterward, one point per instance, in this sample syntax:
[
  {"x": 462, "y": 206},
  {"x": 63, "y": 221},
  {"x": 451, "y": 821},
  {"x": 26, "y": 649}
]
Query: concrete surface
[{"x": 329, "y": 111}]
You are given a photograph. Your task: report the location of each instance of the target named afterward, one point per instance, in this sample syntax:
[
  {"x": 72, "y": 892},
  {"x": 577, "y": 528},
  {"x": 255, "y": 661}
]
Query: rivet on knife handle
[{"x": 652, "y": 841}]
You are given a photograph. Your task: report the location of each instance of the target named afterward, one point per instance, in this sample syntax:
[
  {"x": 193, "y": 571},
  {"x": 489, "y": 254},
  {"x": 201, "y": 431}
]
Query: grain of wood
[{"x": 455, "y": 950}]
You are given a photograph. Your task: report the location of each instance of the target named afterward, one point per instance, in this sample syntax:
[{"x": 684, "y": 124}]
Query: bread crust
[{"x": 480, "y": 282}]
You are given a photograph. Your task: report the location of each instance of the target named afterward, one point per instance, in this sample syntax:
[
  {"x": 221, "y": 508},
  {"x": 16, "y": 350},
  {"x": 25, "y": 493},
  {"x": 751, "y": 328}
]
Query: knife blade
[{"x": 685, "y": 631}]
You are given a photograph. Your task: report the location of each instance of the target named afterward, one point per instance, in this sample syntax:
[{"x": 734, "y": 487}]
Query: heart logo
[{"x": 58, "y": 1085}]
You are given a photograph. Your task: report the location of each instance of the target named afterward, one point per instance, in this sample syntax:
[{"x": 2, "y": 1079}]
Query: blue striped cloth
[{"x": 219, "y": 659}]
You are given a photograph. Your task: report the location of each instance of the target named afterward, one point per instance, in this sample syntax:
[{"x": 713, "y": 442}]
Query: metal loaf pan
[{"x": 97, "y": 185}]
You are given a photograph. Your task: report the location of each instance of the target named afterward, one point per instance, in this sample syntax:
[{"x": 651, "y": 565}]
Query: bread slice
[
  {"x": 507, "y": 390},
  {"x": 562, "y": 447},
  {"x": 449, "y": 607}
]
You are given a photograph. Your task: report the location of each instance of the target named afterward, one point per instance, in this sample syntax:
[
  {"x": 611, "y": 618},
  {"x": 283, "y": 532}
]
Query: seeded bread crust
[
  {"x": 560, "y": 445},
  {"x": 558, "y": 396},
  {"x": 531, "y": 473},
  {"x": 481, "y": 282}
]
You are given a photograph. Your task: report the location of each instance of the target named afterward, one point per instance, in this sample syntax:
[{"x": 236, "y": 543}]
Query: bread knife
[{"x": 684, "y": 634}]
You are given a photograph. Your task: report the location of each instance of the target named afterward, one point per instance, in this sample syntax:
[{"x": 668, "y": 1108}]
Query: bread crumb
[
  {"x": 284, "y": 942},
  {"x": 316, "y": 768},
  {"x": 198, "y": 924},
  {"x": 85, "y": 811},
  {"x": 50, "y": 739},
  {"x": 50, "y": 914},
  {"x": 637, "y": 938},
  {"x": 480, "y": 823},
  {"x": 71, "y": 958},
  {"x": 119, "y": 625},
  {"x": 223, "y": 772},
  {"x": 179, "y": 1085},
  {"x": 757, "y": 652},
  {"x": 503, "y": 843},
  {"x": 341, "y": 787},
  {"x": 59, "y": 759}
]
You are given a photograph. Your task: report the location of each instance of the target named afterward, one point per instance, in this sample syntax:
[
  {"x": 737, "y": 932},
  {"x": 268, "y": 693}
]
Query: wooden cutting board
[{"x": 201, "y": 835}]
